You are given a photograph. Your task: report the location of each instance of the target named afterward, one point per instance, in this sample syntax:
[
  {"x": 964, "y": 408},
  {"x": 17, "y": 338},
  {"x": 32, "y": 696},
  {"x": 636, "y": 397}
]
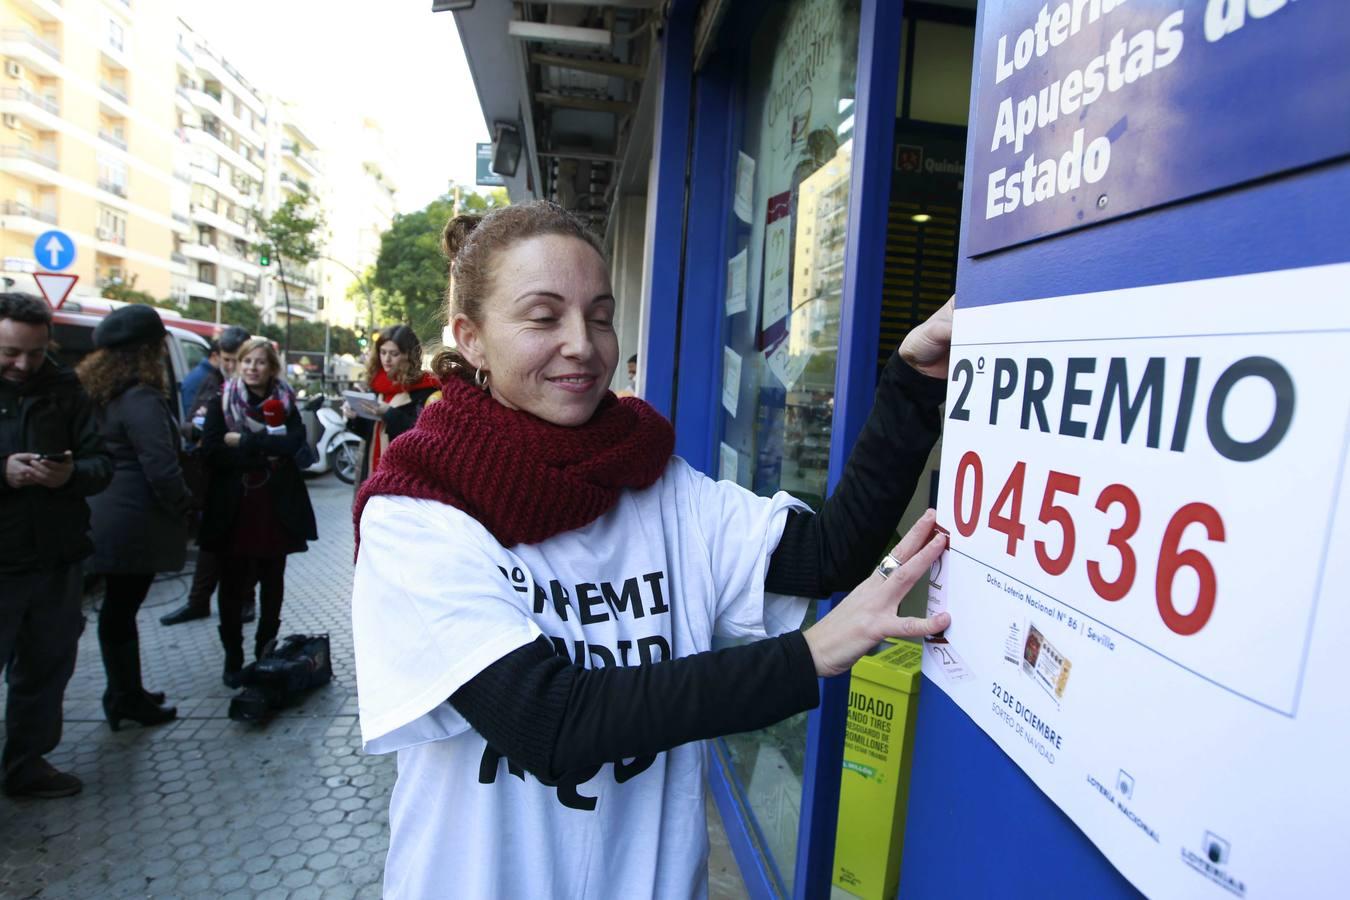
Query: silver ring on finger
[{"x": 888, "y": 565}]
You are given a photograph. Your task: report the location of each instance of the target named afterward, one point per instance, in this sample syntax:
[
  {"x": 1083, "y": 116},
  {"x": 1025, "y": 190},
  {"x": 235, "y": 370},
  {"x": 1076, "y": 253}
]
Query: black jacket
[
  {"x": 49, "y": 413},
  {"x": 396, "y": 421},
  {"x": 256, "y": 452},
  {"x": 207, "y": 390},
  {"x": 139, "y": 521}
]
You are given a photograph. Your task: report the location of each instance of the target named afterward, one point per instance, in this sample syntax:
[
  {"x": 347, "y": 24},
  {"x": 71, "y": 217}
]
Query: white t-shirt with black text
[{"x": 436, "y": 600}]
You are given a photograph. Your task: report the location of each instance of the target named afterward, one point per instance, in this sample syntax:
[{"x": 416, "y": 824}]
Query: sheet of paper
[
  {"x": 745, "y": 188},
  {"x": 731, "y": 380},
  {"x": 785, "y": 366},
  {"x": 777, "y": 268},
  {"x": 730, "y": 460},
  {"x": 366, "y": 405},
  {"x": 736, "y": 268}
]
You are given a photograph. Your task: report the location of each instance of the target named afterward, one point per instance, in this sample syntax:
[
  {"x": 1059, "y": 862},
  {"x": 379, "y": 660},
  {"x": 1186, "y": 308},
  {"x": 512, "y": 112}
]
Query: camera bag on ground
[{"x": 282, "y": 676}]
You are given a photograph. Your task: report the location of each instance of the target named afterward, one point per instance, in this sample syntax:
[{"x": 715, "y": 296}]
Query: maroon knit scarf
[{"x": 523, "y": 479}]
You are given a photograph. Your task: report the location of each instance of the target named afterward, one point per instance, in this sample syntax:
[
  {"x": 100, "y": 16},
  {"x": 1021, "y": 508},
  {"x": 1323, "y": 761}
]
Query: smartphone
[{"x": 53, "y": 457}]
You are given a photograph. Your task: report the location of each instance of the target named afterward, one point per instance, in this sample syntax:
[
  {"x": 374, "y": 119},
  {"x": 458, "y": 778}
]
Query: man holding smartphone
[{"x": 53, "y": 458}]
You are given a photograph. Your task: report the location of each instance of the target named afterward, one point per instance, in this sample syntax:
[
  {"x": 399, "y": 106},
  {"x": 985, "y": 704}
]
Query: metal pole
[
  {"x": 365, "y": 289},
  {"x": 286, "y": 346}
]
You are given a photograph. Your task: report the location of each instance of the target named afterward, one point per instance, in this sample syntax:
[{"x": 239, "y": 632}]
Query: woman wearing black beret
[{"x": 138, "y": 522}]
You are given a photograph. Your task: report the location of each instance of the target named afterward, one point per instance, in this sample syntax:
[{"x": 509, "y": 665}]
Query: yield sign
[{"x": 55, "y": 287}]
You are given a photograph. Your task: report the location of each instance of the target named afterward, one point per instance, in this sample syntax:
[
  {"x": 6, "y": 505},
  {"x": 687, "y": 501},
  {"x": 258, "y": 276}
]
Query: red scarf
[
  {"x": 388, "y": 389},
  {"x": 524, "y": 479}
]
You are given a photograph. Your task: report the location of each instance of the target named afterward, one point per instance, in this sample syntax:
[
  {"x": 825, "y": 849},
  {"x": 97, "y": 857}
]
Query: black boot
[
  {"x": 185, "y": 613},
  {"x": 125, "y": 698},
  {"x": 234, "y": 656},
  {"x": 266, "y": 633}
]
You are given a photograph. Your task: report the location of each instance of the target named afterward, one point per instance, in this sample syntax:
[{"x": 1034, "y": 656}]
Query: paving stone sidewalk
[{"x": 206, "y": 807}]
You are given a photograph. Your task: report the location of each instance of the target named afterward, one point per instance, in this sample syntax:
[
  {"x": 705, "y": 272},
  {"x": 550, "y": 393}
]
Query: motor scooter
[{"x": 330, "y": 443}]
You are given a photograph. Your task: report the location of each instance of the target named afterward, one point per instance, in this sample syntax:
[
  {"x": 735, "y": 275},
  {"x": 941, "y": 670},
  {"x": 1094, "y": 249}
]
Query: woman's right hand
[
  {"x": 869, "y": 615},
  {"x": 347, "y": 410},
  {"x": 928, "y": 348}
]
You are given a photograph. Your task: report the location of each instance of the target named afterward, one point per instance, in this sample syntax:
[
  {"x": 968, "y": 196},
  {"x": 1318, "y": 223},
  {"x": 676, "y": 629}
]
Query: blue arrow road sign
[{"x": 54, "y": 250}]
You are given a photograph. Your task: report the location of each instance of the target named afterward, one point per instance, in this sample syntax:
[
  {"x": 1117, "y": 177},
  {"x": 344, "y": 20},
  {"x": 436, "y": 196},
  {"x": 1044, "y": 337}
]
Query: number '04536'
[{"x": 1005, "y": 517}]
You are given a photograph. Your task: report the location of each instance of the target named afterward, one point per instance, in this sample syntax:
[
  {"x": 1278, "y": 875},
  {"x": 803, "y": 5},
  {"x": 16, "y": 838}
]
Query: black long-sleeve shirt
[{"x": 552, "y": 717}]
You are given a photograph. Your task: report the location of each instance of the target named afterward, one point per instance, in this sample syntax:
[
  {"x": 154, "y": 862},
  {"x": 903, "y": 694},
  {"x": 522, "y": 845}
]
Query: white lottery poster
[
  {"x": 744, "y": 200},
  {"x": 1145, "y": 491},
  {"x": 777, "y": 265},
  {"x": 736, "y": 283},
  {"x": 729, "y": 462},
  {"x": 731, "y": 380}
]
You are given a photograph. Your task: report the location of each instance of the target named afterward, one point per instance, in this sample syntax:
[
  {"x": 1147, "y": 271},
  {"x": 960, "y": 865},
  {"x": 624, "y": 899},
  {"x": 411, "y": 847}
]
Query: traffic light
[{"x": 265, "y": 257}]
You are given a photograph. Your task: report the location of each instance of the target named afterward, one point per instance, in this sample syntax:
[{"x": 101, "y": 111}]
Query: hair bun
[{"x": 457, "y": 231}]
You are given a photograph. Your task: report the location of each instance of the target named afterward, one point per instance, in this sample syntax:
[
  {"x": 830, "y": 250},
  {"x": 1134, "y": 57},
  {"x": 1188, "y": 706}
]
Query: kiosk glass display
[{"x": 788, "y": 216}]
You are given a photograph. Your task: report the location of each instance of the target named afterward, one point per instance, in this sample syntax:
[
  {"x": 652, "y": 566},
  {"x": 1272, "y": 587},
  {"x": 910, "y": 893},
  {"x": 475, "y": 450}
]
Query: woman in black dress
[{"x": 257, "y": 506}]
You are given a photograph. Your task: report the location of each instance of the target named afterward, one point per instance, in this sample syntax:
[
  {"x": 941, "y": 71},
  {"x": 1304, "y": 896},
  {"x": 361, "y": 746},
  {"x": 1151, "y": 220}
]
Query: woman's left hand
[{"x": 232, "y": 438}]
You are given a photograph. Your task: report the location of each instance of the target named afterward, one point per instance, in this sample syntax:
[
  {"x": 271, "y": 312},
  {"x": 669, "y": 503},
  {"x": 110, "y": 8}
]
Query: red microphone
[{"x": 274, "y": 413}]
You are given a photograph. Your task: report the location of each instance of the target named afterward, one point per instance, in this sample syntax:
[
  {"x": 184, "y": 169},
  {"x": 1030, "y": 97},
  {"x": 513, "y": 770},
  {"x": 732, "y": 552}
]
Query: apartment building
[
  {"x": 293, "y": 169},
  {"x": 221, "y": 125},
  {"x": 359, "y": 193},
  {"x": 87, "y": 141},
  {"x": 125, "y": 128}
]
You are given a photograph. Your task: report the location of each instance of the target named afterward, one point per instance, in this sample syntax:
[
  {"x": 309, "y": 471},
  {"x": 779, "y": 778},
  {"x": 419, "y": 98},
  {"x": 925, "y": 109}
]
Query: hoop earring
[{"x": 478, "y": 379}]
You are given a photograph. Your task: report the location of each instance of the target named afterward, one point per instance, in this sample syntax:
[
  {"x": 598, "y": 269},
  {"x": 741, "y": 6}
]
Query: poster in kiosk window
[{"x": 1145, "y": 487}]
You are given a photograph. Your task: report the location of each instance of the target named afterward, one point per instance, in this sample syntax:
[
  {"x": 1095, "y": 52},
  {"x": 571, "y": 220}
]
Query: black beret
[{"x": 135, "y": 324}]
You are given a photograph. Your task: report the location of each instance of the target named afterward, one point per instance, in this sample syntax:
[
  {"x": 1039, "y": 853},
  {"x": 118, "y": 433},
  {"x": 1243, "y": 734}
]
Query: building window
[
  {"x": 112, "y": 225},
  {"x": 112, "y": 175},
  {"x": 116, "y": 35}
]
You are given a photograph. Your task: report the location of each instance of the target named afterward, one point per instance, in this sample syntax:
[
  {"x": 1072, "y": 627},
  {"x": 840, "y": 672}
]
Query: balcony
[
  {"x": 208, "y": 216},
  {"x": 210, "y": 139},
  {"x": 109, "y": 236},
  {"x": 112, "y": 187},
  {"x": 118, "y": 92},
  {"x": 204, "y": 100},
  {"x": 239, "y": 264},
  {"x": 179, "y": 258},
  {"x": 23, "y": 210},
  {"x": 299, "y": 185},
  {"x": 292, "y": 149},
  {"x": 23, "y": 95},
  {"x": 27, "y": 36},
  {"x": 227, "y": 189},
  {"x": 203, "y": 289},
  {"x": 296, "y": 278},
  {"x": 14, "y": 151},
  {"x": 43, "y": 10},
  {"x": 207, "y": 253},
  {"x": 115, "y": 139}
]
